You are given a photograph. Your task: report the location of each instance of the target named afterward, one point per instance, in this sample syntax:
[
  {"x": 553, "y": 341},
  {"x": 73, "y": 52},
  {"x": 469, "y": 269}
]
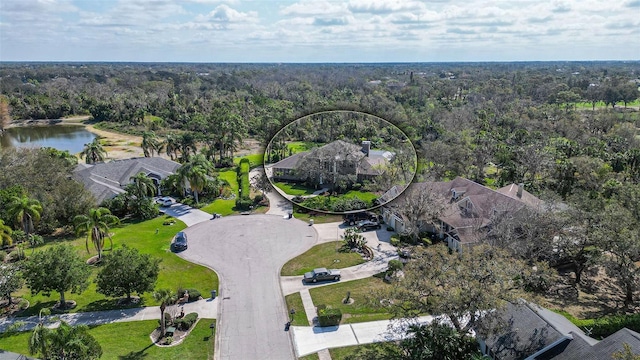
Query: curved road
[{"x": 247, "y": 252}]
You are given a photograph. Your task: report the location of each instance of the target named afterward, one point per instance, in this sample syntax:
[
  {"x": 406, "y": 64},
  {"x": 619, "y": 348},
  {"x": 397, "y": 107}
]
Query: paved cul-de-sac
[{"x": 247, "y": 252}]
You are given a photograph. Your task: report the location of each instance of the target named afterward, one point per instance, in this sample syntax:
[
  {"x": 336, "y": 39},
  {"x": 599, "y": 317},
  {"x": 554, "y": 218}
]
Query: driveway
[
  {"x": 247, "y": 252},
  {"x": 186, "y": 214},
  {"x": 278, "y": 205}
]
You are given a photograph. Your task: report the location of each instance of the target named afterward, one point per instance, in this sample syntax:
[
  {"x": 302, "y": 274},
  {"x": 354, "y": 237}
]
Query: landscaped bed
[{"x": 322, "y": 255}]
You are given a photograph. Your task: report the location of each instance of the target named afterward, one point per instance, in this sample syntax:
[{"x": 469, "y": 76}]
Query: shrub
[
  {"x": 395, "y": 240},
  {"x": 258, "y": 199},
  {"x": 194, "y": 294},
  {"x": 328, "y": 316},
  {"x": 607, "y": 325},
  {"x": 168, "y": 320},
  {"x": 3, "y": 255},
  {"x": 395, "y": 265},
  {"x": 186, "y": 322},
  {"x": 243, "y": 203}
]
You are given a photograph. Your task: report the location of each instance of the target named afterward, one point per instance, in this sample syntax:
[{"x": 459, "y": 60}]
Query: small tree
[
  {"x": 5, "y": 234},
  {"x": 10, "y": 281},
  {"x": 125, "y": 271},
  {"x": 352, "y": 240},
  {"x": 59, "y": 269},
  {"x": 165, "y": 297},
  {"x": 96, "y": 225},
  {"x": 437, "y": 341}
]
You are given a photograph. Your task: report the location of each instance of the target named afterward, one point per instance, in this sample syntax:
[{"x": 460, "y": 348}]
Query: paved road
[{"x": 247, "y": 252}]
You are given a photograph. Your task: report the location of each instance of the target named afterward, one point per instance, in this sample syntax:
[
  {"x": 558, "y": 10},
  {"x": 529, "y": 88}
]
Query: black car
[
  {"x": 355, "y": 217},
  {"x": 179, "y": 242},
  {"x": 368, "y": 225}
]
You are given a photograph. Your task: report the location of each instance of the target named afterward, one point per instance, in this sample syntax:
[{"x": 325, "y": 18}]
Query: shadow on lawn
[
  {"x": 111, "y": 304},
  {"x": 136, "y": 355}
]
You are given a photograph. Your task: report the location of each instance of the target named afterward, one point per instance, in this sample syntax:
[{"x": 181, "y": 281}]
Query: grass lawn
[
  {"x": 294, "y": 189},
  {"x": 318, "y": 218},
  {"x": 364, "y": 292},
  {"x": 130, "y": 340},
  {"x": 142, "y": 236},
  {"x": 313, "y": 356},
  {"x": 254, "y": 159},
  {"x": 300, "y": 146},
  {"x": 322, "y": 255},
  {"x": 221, "y": 206},
  {"x": 294, "y": 301},
  {"x": 342, "y": 352},
  {"x": 364, "y": 196}
]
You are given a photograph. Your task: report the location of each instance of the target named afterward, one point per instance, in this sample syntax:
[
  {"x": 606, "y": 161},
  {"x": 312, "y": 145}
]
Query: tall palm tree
[
  {"x": 148, "y": 140},
  {"x": 165, "y": 297},
  {"x": 25, "y": 211},
  {"x": 143, "y": 186},
  {"x": 187, "y": 145},
  {"x": 5, "y": 234},
  {"x": 93, "y": 152},
  {"x": 196, "y": 172},
  {"x": 96, "y": 225},
  {"x": 172, "y": 145}
]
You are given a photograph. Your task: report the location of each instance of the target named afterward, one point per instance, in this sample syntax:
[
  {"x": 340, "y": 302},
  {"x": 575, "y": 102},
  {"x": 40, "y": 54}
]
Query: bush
[
  {"x": 3, "y": 255},
  {"x": 168, "y": 320},
  {"x": 186, "y": 322},
  {"x": 395, "y": 265},
  {"x": 395, "y": 240},
  {"x": 258, "y": 199},
  {"x": 605, "y": 326},
  {"x": 328, "y": 316},
  {"x": 194, "y": 294},
  {"x": 243, "y": 203}
]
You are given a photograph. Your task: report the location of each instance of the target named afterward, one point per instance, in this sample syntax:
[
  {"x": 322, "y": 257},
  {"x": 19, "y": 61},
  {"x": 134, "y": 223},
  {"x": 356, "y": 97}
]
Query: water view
[{"x": 71, "y": 138}]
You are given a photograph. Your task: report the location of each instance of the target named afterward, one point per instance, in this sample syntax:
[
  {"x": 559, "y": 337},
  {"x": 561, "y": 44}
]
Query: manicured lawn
[
  {"x": 254, "y": 159},
  {"x": 364, "y": 196},
  {"x": 130, "y": 340},
  {"x": 294, "y": 301},
  {"x": 300, "y": 146},
  {"x": 318, "y": 218},
  {"x": 174, "y": 271},
  {"x": 364, "y": 292},
  {"x": 342, "y": 352},
  {"x": 294, "y": 188},
  {"x": 322, "y": 255},
  {"x": 222, "y": 206},
  {"x": 313, "y": 356}
]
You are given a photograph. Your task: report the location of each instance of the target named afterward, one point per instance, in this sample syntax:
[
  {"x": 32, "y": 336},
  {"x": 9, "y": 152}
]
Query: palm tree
[
  {"x": 96, "y": 225},
  {"x": 196, "y": 172},
  {"x": 25, "y": 211},
  {"x": 5, "y": 234},
  {"x": 143, "y": 186},
  {"x": 93, "y": 152},
  {"x": 148, "y": 138},
  {"x": 164, "y": 297},
  {"x": 172, "y": 145},
  {"x": 187, "y": 145}
]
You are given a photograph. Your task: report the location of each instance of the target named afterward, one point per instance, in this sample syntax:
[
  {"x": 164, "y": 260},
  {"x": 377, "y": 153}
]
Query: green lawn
[
  {"x": 294, "y": 189},
  {"x": 318, "y": 218},
  {"x": 322, "y": 255},
  {"x": 300, "y": 146},
  {"x": 600, "y": 104},
  {"x": 364, "y": 196},
  {"x": 342, "y": 352},
  {"x": 130, "y": 340},
  {"x": 294, "y": 301},
  {"x": 142, "y": 236},
  {"x": 364, "y": 292},
  {"x": 254, "y": 159},
  {"x": 221, "y": 206},
  {"x": 313, "y": 356}
]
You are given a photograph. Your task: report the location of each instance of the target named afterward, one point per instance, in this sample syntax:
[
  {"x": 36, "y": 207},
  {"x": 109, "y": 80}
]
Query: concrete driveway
[
  {"x": 186, "y": 214},
  {"x": 247, "y": 252}
]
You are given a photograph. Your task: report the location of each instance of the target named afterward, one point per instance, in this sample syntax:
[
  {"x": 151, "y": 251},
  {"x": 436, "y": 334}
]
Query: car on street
[
  {"x": 368, "y": 225},
  {"x": 179, "y": 242},
  {"x": 165, "y": 201},
  {"x": 321, "y": 274}
]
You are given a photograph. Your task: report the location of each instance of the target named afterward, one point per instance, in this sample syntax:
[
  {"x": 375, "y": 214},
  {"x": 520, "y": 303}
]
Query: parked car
[
  {"x": 179, "y": 242},
  {"x": 355, "y": 217},
  {"x": 165, "y": 201},
  {"x": 368, "y": 225},
  {"x": 321, "y": 274}
]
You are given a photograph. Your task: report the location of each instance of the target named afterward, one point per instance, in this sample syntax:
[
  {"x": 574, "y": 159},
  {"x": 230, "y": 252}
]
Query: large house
[
  {"x": 323, "y": 165},
  {"x": 531, "y": 332},
  {"x": 108, "y": 179},
  {"x": 468, "y": 209}
]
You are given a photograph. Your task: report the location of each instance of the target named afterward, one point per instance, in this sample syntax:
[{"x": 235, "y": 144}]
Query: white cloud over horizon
[{"x": 318, "y": 30}]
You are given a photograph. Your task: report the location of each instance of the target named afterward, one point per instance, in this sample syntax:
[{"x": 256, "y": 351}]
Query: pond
[{"x": 61, "y": 137}]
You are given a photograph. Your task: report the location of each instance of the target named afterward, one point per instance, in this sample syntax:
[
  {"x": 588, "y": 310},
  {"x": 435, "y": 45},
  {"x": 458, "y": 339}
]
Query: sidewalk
[
  {"x": 205, "y": 308},
  {"x": 309, "y": 340}
]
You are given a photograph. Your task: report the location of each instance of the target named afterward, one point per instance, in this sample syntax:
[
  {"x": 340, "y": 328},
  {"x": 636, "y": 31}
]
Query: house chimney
[
  {"x": 520, "y": 188},
  {"x": 366, "y": 147}
]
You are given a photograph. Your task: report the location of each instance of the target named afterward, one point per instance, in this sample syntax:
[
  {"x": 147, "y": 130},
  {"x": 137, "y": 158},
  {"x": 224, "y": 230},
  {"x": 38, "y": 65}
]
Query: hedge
[
  {"x": 607, "y": 325},
  {"x": 243, "y": 178},
  {"x": 186, "y": 322},
  {"x": 328, "y": 316}
]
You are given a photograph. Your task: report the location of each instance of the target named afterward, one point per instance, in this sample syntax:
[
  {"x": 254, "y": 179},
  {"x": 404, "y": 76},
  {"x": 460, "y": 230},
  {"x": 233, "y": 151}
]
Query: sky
[{"x": 312, "y": 31}]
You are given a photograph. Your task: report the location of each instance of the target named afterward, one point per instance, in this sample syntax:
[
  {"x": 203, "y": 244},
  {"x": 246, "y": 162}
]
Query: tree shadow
[
  {"x": 111, "y": 304},
  {"x": 136, "y": 355}
]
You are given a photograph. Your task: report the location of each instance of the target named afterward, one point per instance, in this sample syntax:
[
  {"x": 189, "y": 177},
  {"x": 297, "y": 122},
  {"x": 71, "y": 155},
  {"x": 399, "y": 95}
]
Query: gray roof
[
  {"x": 107, "y": 179},
  {"x": 579, "y": 349}
]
